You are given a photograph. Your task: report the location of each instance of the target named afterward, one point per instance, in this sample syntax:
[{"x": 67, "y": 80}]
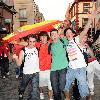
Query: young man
[
  {"x": 44, "y": 64},
  {"x": 59, "y": 64},
  {"x": 30, "y": 69},
  {"x": 77, "y": 64},
  {"x": 75, "y": 92}
]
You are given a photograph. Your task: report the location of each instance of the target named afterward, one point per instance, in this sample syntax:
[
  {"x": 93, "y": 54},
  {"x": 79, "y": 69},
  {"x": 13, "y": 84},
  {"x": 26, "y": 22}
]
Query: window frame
[
  {"x": 84, "y": 7},
  {"x": 22, "y": 13},
  {"x": 84, "y": 22}
]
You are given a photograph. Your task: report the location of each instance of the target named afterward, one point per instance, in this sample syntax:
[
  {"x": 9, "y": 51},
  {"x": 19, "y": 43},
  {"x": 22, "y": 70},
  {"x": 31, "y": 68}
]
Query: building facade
[
  {"x": 27, "y": 13},
  {"x": 6, "y": 15},
  {"x": 38, "y": 16},
  {"x": 98, "y": 7},
  {"x": 78, "y": 12}
]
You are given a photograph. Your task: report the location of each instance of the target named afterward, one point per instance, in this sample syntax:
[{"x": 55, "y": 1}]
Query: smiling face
[
  {"x": 54, "y": 35},
  {"x": 43, "y": 39},
  {"x": 69, "y": 34},
  {"x": 31, "y": 42}
]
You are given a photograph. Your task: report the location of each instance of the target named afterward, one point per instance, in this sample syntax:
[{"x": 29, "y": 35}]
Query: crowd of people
[{"x": 56, "y": 60}]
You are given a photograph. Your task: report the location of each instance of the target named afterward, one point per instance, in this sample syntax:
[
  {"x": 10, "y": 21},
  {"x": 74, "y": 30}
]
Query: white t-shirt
[
  {"x": 31, "y": 64},
  {"x": 76, "y": 58}
]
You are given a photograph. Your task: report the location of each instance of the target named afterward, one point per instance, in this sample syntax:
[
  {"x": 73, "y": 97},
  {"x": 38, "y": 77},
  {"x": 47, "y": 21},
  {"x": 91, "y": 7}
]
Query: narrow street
[{"x": 9, "y": 87}]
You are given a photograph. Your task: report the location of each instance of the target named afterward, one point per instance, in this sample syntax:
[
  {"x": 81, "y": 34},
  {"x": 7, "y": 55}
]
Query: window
[
  {"x": 86, "y": 7},
  {"x": 22, "y": 13},
  {"x": 84, "y": 21},
  {"x": 22, "y": 23}
]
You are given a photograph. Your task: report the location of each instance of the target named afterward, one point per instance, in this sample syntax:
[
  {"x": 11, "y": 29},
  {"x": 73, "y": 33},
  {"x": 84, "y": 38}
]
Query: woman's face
[{"x": 69, "y": 34}]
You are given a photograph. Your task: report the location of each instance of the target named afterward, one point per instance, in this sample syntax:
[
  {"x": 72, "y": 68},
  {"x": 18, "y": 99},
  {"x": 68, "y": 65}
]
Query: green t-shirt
[{"x": 59, "y": 59}]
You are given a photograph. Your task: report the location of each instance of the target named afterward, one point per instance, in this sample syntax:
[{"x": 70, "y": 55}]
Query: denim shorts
[{"x": 80, "y": 75}]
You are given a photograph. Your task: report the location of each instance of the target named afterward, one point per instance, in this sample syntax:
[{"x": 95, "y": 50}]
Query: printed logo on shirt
[
  {"x": 72, "y": 52},
  {"x": 30, "y": 55}
]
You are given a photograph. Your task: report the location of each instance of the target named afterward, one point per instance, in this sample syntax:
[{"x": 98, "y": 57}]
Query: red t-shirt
[
  {"x": 17, "y": 48},
  {"x": 44, "y": 57},
  {"x": 6, "y": 50}
]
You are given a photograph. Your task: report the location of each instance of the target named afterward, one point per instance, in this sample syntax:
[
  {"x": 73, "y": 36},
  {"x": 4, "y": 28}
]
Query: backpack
[
  {"x": 84, "y": 53},
  {"x": 22, "y": 65},
  {"x": 64, "y": 46}
]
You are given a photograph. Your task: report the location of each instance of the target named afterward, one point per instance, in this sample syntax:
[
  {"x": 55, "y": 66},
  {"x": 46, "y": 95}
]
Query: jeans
[
  {"x": 80, "y": 75},
  {"x": 34, "y": 89},
  {"x": 58, "y": 80},
  {"x": 19, "y": 71}
]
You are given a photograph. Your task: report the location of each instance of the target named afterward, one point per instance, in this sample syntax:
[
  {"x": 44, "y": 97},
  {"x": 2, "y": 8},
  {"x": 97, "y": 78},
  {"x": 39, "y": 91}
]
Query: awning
[{"x": 3, "y": 30}]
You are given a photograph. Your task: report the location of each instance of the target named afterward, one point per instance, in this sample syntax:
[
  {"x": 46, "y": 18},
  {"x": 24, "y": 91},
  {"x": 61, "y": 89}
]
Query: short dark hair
[
  {"x": 53, "y": 30},
  {"x": 32, "y": 36},
  {"x": 69, "y": 29},
  {"x": 44, "y": 33}
]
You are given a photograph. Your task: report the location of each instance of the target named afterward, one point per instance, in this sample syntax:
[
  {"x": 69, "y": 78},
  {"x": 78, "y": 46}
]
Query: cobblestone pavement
[{"x": 9, "y": 87}]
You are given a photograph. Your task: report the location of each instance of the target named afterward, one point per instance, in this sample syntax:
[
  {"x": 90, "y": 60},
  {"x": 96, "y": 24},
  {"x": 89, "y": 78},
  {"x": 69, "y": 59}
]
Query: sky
[{"x": 53, "y": 9}]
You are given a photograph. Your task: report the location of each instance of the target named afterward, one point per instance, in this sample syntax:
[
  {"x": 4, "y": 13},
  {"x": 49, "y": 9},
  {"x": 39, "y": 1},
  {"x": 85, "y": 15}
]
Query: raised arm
[{"x": 86, "y": 28}]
